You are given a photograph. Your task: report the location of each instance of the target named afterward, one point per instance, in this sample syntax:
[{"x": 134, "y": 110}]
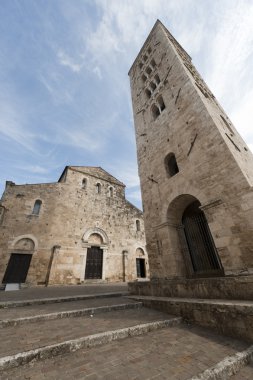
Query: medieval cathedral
[{"x": 79, "y": 229}]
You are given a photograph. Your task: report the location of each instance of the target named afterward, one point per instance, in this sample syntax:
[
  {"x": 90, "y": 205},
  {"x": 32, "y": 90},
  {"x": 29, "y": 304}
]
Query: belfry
[{"x": 196, "y": 176}]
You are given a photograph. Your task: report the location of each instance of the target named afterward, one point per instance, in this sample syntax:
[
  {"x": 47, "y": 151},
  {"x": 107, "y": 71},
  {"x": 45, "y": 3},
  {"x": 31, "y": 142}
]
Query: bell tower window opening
[
  {"x": 155, "y": 111},
  {"x": 148, "y": 93},
  {"x": 157, "y": 79},
  {"x": 148, "y": 70},
  {"x": 171, "y": 164},
  {"x": 153, "y": 86},
  {"x": 144, "y": 78},
  {"x": 161, "y": 103},
  {"x": 152, "y": 63},
  {"x": 138, "y": 225}
]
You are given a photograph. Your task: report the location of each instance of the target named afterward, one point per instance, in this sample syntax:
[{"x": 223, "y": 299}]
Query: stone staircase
[{"x": 111, "y": 336}]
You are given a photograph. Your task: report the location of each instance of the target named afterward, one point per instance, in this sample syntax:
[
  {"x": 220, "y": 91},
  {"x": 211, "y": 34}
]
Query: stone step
[
  {"x": 245, "y": 373},
  {"x": 229, "y": 317},
  {"x": 181, "y": 352},
  {"x": 16, "y": 339},
  {"x": 42, "y": 301},
  {"x": 31, "y": 310},
  {"x": 68, "y": 314}
]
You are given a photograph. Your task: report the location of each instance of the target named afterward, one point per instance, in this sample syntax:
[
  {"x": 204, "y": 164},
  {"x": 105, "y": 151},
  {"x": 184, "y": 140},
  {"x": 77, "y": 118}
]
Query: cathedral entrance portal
[
  {"x": 204, "y": 257},
  {"x": 17, "y": 268},
  {"x": 94, "y": 263}
]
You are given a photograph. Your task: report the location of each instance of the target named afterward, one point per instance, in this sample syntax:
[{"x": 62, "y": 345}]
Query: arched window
[
  {"x": 155, "y": 111},
  {"x": 148, "y": 70},
  {"x": 36, "y": 207},
  {"x": 140, "y": 65},
  {"x": 144, "y": 78},
  {"x": 153, "y": 64},
  {"x": 110, "y": 192},
  {"x": 157, "y": 79},
  {"x": 149, "y": 50},
  {"x": 171, "y": 164},
  {"x": 145, "y": 58},
  {"x": 153, "y": 86},
  {"x": 98, "y": 188},
  {"x": 138, "y": 225},
  {"x": 161, "y": 103},
  {"x": 84, "y": 183},
  {"x": 148, "y": 93}
]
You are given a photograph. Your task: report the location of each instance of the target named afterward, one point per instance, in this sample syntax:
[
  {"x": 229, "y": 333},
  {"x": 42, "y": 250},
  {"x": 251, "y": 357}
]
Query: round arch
[
  {"x": 21, "y": 237},
  {"x": 177, "y": 207},
  {"x": 98, "y": 231}
]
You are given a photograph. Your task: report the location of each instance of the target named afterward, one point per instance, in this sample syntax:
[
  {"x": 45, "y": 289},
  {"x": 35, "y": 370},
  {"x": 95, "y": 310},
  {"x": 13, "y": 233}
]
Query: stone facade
[
  {"x": 193, "y": 166},
  {"x": 61, "y": 226}
]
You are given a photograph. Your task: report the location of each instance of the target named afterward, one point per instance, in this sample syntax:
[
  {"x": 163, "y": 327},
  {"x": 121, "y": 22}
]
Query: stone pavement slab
[
  {"x": 31, "y": 310},
  {"x": 176, "y": 353},
  {"x": 23, "y": 338},
  {"x": 61, "y": 291}
]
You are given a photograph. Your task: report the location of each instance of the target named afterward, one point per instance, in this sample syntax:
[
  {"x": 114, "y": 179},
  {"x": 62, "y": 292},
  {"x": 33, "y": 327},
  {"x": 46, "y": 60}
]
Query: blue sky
[{"x": 64, "y": 89}]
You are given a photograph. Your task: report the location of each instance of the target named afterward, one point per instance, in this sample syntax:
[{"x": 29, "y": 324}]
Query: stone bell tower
[{"x": 196, "y": 171}]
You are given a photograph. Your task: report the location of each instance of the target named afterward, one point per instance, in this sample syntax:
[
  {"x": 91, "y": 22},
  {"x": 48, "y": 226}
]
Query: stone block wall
[{"x": 86, "y": 208}]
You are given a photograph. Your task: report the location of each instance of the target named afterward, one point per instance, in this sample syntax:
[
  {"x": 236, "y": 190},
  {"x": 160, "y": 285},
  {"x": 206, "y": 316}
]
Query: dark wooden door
[
  {"x": 203, "y": 253},
  {"x": 94, "y": 263},
  {"x": 140, "y": 267},
  {"x": 17, "y": 268}
]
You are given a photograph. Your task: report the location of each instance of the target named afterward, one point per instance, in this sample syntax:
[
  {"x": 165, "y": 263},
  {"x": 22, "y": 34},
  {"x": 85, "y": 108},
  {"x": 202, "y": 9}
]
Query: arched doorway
[
  {"x": 94, "y": 260},
  {"x": 203, "y": 254},
  {"x": 19, "y": 262},
  {"x": 140, "y": 263}
]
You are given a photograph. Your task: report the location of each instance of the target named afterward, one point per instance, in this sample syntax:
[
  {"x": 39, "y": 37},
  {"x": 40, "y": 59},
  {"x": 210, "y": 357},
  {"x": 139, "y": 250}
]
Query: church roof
[{"x": 94, "y": 171}]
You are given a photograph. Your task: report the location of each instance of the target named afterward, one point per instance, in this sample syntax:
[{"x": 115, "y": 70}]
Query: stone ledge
[
  {"x": 233, "y": 318},
  {"x": 41, "y": 301},
  {"x": 84, "y": 342},
  {"x": 67, "y": 314},
  {"x": 237, "y": 287},
  {"x": 227, "y": 367}
]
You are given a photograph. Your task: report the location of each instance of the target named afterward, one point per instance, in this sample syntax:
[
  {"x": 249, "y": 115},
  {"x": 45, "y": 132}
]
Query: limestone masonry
[
  {"x": 78, "y": 229},
  {"x": 196, "y": 171}
]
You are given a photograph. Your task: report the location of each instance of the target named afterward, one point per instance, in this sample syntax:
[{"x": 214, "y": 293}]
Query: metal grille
[{"x": 203, "y": 253}]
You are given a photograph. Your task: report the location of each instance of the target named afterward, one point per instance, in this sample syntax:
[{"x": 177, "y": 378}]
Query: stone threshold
[
  {"x": 227, "y": 367},
  {"x": 42, "y": 301},
  {"x": 94, "y": 340},
  {"x": 70, "y": 313}
]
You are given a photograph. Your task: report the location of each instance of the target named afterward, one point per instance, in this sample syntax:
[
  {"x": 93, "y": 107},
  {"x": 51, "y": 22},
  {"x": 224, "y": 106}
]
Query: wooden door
[
  {"x": 17, "y": 268},
  {"x": 94, "y": 263}
]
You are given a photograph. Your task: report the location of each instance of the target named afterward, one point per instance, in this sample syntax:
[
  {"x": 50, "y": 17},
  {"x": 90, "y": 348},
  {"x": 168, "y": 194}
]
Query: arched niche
[{"x": 98, "y": 234}]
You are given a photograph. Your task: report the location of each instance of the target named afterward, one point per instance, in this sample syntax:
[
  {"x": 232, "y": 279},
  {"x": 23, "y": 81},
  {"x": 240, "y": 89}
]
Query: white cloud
[
  {"x": 13, "y": 121},
  {"x": 67, "y": 61}
]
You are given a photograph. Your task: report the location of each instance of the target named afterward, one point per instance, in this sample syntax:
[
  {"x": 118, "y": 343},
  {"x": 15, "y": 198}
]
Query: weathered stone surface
[
  {"x": 228, "y": 317},
  {"x": 85, "y": 208},
  {"x": 234, "y": 287},
  {"x": 178, "y": 118}
]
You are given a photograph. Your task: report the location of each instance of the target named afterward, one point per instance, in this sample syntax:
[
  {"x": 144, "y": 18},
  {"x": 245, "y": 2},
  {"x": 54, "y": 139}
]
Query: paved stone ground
[
  {"x": 245, "y": 373},
  {"x": 176, "y": 353},
  {"x": 61, "y": 291},
  {"x": 26, "y": 337},
  {"x": 25, "y": 311}
]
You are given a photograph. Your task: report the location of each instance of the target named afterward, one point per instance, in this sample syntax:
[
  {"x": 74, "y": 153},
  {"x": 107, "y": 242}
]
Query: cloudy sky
[{"x": 64, "y": 89}]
